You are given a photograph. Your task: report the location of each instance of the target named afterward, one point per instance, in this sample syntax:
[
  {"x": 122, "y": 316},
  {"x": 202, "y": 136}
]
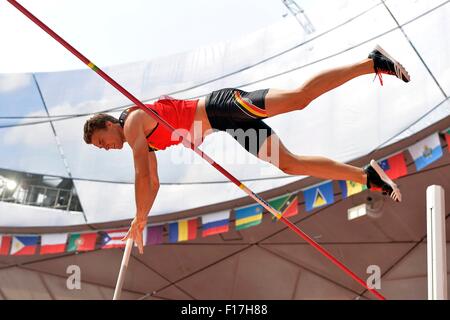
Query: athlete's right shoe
[
  {"x": 384, "y": 63},
  {"x": 376, "y": 177}
]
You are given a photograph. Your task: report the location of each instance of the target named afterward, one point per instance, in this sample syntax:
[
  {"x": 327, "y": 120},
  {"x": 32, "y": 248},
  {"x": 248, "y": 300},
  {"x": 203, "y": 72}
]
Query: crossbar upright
[{"x": 436, "y": 244}]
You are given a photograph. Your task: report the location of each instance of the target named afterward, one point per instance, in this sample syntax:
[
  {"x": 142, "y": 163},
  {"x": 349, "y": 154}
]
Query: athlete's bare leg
[
  {"x": 282, "y": 101},
  {"x": 274, "y": 151}
]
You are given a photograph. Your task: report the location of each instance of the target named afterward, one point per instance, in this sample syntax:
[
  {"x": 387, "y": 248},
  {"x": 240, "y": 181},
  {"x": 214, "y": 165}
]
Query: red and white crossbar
[{"x": 189, "y": 144}]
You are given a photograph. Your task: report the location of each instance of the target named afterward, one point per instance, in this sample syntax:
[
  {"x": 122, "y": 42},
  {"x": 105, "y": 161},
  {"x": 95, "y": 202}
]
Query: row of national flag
[
  {"x": 182, "y": 230},
  {"x": 50, "y": 243},
  {"x": 423, "y": 153}
]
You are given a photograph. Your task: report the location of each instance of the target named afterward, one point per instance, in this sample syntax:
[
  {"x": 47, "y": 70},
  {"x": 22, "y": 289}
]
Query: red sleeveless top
[{"x": 178, "y": 113}]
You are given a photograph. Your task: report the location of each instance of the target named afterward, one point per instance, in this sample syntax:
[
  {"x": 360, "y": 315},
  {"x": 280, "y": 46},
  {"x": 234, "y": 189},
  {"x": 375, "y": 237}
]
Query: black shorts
[{"x": 240, "y": 114}]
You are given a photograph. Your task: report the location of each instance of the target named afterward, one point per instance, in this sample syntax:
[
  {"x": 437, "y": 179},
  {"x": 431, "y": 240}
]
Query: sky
[{"x": 112, "y": 32}]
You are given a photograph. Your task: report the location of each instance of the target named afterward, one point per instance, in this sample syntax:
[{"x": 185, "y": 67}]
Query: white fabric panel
[
  {"x": 406, "y": 10},
  {"x": 365, "y": 27},
  {"x": 31, "y": 149},
  {"x": 105, "y": 202},
  {"x": 17, "y": 215},
  {"x": 83, "y": 90},
  {"x": 325, "y": 14},
  {"x": 26, "y": 148},
  {"x": 434, "y": 50},
  {"x": 441, "y": 112}
]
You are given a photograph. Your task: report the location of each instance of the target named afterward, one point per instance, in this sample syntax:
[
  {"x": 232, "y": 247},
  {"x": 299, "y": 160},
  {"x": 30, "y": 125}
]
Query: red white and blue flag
[
  {"x": 24, "y": 245},
  {"x": 215, "y": 223},
  {"x": 394, "y": 166},
  {"x": 112, "y": 238}
]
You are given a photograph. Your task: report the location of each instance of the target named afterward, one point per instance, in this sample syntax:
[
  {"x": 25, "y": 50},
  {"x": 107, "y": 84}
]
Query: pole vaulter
[{"x": 379, "y": 62}]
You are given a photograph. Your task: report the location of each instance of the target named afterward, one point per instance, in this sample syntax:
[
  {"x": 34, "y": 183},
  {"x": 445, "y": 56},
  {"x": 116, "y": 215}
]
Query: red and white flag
[{"x": 53, "y": 243}]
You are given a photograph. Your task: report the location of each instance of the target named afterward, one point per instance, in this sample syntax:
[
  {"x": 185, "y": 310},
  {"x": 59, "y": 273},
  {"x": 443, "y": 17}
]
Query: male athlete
[{"x": 229, "y": 109}]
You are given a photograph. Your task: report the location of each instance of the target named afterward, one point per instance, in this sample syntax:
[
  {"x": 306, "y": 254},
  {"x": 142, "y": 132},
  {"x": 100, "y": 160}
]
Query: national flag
[
  {"x": 183, "y": 230},
  {"x": 318, "y": 196},
  {"x": 24, "y": 245},
  {"x": 53, "y": 243},
  {"x": 82, "y": 242},
  {"x": 154, "y": 235},
  {"x": 277, "y": 203},
  {"x": 350, "y": 188},
  {"x": 113, "y": 238},
  {"x": 287, "y": 205},
  {"x": 5, "y": 244},
  {"x": 291, "y": 207},
  {"x": 447, "y": 138},
  {"x": 215, "y": 223},
  {"x": 394, "y": 166},
  {"x": 248, "y": 216},
  {"x": 426, "y": 151}
]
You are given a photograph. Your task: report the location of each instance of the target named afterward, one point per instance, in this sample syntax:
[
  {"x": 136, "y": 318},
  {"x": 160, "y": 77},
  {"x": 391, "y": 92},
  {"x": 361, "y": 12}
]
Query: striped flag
[
  {"x": 24, "y": 245},
  {"x": 5, "y": 244},
  {"x": 53, "y": 243},
  {"x": 154, "y": 235},
  {"x": 82, "y": 242},
  {"x": 183, "y": 230},
  {"x": 112, "y": 238},
  {"x": 350, "y": 188},
  {"x": 426, "y": 151},
  {"x": 248, "y": 216},
  {"x": 318, "y": 196},
  {"x": 215, "y": 223}
]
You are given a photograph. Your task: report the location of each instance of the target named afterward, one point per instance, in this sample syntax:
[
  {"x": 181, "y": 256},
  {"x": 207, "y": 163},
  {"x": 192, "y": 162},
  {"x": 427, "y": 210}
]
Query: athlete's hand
[{"x": 135, "y": 232}]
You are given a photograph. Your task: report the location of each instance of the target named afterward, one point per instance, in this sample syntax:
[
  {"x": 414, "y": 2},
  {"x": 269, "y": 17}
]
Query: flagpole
[
  {"x": 189, "y": 144},
  {"x": 123, "y": 269}
]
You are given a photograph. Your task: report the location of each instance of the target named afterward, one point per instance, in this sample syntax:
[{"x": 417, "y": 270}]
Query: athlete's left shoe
[
  {"x": 376, "y": 177},
  {"x": 384, "y": 63}
]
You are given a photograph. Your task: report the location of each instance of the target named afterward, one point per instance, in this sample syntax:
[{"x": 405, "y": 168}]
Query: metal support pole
[{"x": 436, "y": 244}]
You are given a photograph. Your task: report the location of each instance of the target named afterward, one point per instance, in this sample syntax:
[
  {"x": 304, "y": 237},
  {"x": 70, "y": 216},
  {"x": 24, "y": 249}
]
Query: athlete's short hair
[{"x": 97, "y": 122}]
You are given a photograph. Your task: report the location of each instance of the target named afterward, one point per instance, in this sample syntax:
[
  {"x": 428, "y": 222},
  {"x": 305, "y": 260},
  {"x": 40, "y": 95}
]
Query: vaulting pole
[
  {"x": 123, "y": 269},
  {"x": 189, "y": 144}
]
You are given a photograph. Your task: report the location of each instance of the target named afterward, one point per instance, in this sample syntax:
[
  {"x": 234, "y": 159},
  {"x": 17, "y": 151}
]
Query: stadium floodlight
[{"x": 11, "y": 184}]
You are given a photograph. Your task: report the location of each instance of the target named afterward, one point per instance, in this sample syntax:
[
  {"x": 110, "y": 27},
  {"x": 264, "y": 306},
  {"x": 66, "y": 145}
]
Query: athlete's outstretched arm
[
  {"x": 146, "y": 179},
  {"x": 146, "y": 185}
]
